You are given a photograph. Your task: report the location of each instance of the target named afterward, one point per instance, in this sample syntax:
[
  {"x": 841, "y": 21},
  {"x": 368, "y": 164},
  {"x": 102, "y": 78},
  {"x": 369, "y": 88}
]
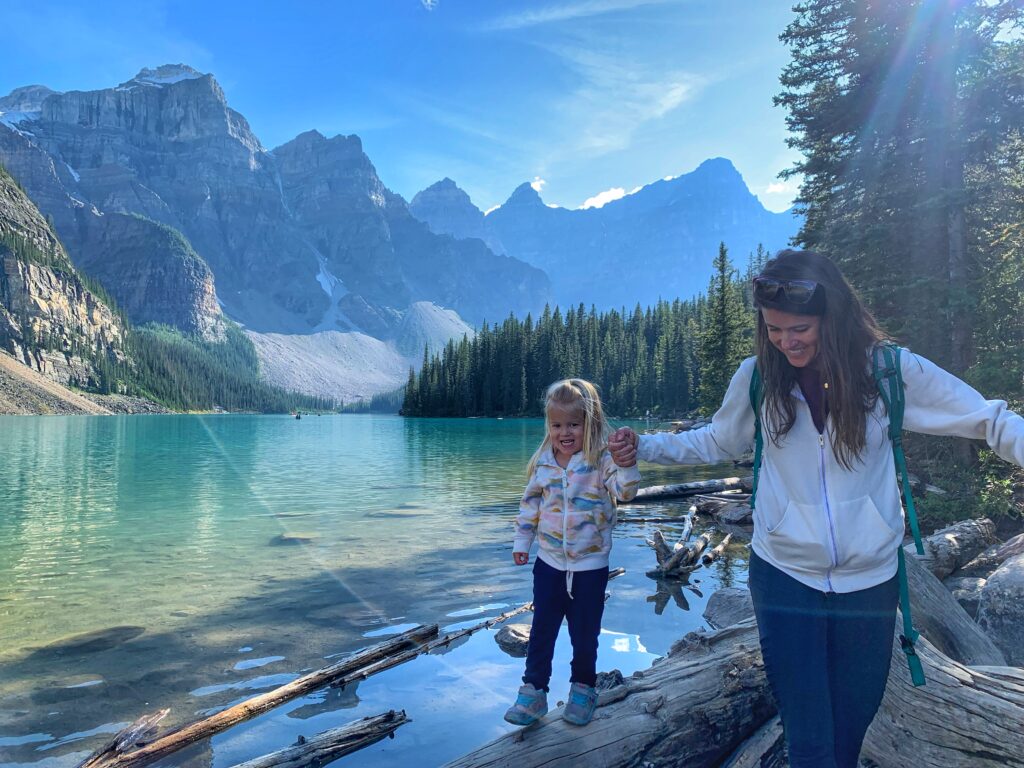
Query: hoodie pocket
[
  {"x": 800, "y": 538},
  {"x": 865, "y": 540}
]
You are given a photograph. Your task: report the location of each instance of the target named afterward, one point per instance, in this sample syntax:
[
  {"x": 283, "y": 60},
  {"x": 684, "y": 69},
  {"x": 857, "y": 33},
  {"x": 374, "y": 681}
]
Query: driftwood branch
[
  {"x": 358, "y": 664},
  {"x": 709, "y": 557},
  {"x": 332, "y": 744}
]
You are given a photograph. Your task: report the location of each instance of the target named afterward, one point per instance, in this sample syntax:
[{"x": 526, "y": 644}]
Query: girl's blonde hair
[{"x": 580, "y": 395}]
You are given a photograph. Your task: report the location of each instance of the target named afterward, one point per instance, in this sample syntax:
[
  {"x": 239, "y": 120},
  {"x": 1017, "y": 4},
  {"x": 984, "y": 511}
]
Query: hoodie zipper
[
  {"x": 565, "y": 530},
  {"x": 828, "y": 514}
]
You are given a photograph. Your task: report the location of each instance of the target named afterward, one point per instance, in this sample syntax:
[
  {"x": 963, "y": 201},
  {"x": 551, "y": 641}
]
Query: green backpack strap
[
  {"x": 755, "y": 403},
  {"x": 889, "y": 379}
]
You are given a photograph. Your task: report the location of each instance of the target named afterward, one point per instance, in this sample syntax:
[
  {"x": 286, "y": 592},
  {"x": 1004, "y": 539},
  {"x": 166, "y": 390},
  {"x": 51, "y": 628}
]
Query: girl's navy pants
[
  {"x": 827, "y": 657},
  {"x": 551, "y": 604}
]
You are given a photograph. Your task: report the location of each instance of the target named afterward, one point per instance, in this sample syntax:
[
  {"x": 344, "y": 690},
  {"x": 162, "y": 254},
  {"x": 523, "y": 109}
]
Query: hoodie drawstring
[{"x": 568, "y": 582}]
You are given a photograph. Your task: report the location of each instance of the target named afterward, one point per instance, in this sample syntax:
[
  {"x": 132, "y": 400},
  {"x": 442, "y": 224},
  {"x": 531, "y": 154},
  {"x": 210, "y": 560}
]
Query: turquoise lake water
[{"x": 192, "y": 561}]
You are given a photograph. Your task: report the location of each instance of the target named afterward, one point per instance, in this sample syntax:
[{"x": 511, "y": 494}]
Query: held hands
[
  {"x": 622, "y": 446},
  {"x": 521, "y": 558}
]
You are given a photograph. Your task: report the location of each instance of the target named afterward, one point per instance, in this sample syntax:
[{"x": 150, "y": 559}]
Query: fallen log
[
  {"x": 333, "y": 743},
  {"x": 993, "y": 557},
  {"x": 697, "y": 705},
  {"x": 131, "y": 737},
  {"x": 956, "y": 545},
  {"x": 963, "y": 718},
  {"x": 713, "y": 680},
  {"x": 685, "y": 490},
  {"x": 178, "y": 738},
  {"x": 765, "y": 749},
  {"x": 940, "y": 618}
]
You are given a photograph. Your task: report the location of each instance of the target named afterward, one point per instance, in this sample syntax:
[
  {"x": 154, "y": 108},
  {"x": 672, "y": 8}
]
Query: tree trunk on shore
[{"x": 690, "y": 709}]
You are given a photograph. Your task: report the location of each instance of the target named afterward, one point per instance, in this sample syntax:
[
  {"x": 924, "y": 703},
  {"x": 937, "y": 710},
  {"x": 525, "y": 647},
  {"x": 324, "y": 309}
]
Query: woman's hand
[
  {"x": 622, "y": 446},
  {"x": 521, "y": 558}
]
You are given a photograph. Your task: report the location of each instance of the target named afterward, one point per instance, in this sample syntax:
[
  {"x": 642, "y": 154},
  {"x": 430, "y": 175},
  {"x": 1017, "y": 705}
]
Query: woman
[{"x": 828, "y": 518}]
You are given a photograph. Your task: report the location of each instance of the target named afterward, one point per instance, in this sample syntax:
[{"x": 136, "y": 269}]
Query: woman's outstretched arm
[
  {"x": 938, "y": 403},
  {"x": 729, "y": 435}
]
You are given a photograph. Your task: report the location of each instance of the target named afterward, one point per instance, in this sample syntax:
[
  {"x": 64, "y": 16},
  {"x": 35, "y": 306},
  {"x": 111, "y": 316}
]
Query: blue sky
[{"x": 581, "y": 96}]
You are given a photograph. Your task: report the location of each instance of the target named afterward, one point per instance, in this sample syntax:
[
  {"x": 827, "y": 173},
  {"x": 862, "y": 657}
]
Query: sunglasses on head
[{"x": 794, "y": 291}]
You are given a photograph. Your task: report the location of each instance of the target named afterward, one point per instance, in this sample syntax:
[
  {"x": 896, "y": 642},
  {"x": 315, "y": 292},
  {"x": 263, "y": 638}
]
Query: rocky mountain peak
[
  {"x": 448, "y": 210},
  {"x": 165, "y": 74},
  {"x": 524, "y": 195},
  {"x": 443, "y": 192},
  {"x": 28, "y": 98}
]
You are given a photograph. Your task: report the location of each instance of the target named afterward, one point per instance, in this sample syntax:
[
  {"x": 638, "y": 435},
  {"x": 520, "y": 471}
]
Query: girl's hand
[
  {"x": 622, "y": 446},
  {"x": 521, "y": 558}
]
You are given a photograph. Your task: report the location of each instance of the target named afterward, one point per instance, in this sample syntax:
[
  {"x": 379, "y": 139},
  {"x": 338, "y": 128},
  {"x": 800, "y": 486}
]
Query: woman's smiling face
[{"x": 795, "y": 336}]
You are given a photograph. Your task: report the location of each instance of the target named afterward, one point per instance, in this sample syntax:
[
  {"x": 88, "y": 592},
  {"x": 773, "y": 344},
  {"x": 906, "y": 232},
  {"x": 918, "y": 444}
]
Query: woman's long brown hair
[{"x": 848, "y": 334}]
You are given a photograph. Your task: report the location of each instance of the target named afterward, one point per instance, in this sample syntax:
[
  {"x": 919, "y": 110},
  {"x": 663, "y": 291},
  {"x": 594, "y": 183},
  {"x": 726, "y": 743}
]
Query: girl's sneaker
[
  {"x": 579, "y": 709},
  {"x": 531, "y": 705}
]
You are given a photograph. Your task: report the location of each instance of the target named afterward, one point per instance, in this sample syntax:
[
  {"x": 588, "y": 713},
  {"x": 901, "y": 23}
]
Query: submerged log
[
  {"x": 685, "y": 490},
  {"x": 332, "y": 744},
  {"x": 178, "y": 738}
]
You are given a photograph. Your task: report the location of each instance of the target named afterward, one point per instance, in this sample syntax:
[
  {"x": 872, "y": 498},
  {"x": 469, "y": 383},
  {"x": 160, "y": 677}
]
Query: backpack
[{"x": 885, "y": 367}]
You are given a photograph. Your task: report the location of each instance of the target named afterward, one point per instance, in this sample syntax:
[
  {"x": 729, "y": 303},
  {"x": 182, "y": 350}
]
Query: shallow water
[{"x": 192, "y": 561}]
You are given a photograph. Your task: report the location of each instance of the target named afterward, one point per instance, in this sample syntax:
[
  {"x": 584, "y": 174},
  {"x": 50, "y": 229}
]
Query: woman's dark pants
[
  {"x": 551, "y": 603},
  {"x": 827, "y": 660}
]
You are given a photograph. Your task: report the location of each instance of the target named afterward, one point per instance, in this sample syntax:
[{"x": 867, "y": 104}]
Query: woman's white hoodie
[{"x": 834, "y": 529}]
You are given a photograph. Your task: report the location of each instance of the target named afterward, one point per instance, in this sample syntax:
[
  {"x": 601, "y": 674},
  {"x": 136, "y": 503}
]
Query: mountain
[
  {"x": 165, "y": 194},
  {"x": 287, "y": 234},
  {"x": 50, "y": 319},
  {"x": 447, "y": 210},
  {"x": 655, "y": 243}
]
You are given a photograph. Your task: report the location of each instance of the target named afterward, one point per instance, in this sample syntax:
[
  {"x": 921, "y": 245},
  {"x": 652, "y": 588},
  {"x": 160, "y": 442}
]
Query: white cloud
[
  {"x": 775, "y": 188},
  {"x": 430, "y": 4},
  {"x": 565, "y": 12},
  {"x": 601, "y": 198},
  {"x": 616, "y": 96},
  {"x": 492, "y": 209},
  {"x": 538, "y": 184},
  {"x": 553, "y": 205}
]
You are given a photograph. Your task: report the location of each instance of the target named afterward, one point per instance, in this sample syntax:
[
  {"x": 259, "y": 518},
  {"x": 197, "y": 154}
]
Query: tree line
[{"x": 667, "y": 359}]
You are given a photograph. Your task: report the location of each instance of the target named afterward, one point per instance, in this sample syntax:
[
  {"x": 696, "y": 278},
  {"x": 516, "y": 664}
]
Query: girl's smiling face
[
  {"x": 565, "y": 428},
  {"x": 795, "y": 336}
]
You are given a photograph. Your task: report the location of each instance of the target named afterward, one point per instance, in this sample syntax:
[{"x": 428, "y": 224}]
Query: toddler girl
[{"x": 569, "y": 505}]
